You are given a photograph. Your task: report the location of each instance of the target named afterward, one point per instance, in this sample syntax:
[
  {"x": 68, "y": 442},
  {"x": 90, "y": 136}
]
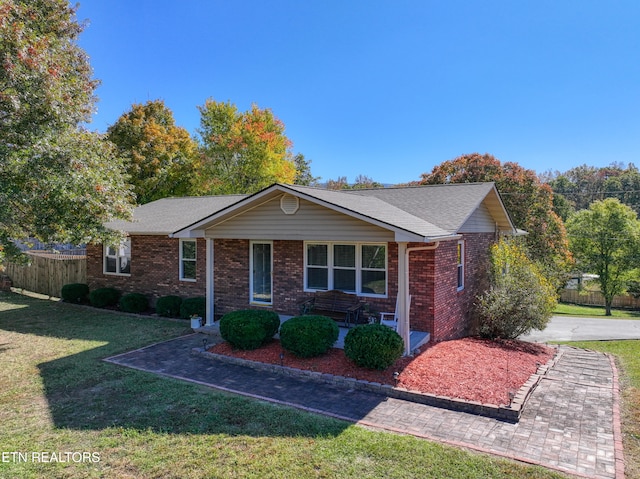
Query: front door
[{"x": 261, "y": 267}]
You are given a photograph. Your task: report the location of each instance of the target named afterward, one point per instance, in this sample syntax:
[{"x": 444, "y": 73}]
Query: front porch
[{"x": 416, "y": 338}]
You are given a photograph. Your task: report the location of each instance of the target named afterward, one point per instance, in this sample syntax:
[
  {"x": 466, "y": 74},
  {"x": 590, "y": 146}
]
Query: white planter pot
[{"x": 196, "y": 322}]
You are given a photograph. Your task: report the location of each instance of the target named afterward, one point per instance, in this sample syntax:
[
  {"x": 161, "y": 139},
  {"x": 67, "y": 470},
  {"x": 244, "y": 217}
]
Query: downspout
[
  {"x": 209, "y": 284},
  {"x": 403, "y": 291}
]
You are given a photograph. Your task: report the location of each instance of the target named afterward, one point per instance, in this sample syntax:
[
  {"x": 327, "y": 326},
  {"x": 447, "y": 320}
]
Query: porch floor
[{"x": 416, "y": 338}]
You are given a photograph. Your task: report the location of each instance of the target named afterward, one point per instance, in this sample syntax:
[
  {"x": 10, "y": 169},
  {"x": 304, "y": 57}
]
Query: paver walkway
[{"x": 571, "y": 421}]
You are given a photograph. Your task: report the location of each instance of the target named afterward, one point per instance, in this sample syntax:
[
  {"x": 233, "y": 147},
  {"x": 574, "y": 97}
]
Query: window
[
  {"x": 261, "y": 268},
  {"x": 188, "y": 254},
  {"x": 117, "y": 259},
  {"x": 353, "y": 268},
  {"x": 460, "y": 265}
]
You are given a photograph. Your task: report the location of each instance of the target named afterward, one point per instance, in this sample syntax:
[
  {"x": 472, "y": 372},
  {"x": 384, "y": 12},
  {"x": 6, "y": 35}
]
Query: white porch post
[
  {"x": 403, "y": 295},
  {"x": 209, "y": 283}
]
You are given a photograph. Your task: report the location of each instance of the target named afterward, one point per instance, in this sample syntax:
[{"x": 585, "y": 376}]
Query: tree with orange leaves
[
  {"x": 160, "y": 157},
  {"x": 243, "y": 152},
  {"x": 528, "y": 201}
]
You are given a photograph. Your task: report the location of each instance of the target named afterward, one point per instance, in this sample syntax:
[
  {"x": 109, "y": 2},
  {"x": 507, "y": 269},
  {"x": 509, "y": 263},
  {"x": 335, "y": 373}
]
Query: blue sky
[{"x": 387, "y": 89}]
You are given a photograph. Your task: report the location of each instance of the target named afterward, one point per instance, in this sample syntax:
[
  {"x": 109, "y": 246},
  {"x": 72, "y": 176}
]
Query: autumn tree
[
  {"x": 160, "y": 157},
  {"x": 605, "y": 239},
  {"x": 340, "y": 183},
  {"x": 243, "y": 152},
  {"x": 361, "y": 182},
  {"x": 580, "y": 186},
  {"x": 528, "y": 201},
  {"x": 57, "y": 181}
]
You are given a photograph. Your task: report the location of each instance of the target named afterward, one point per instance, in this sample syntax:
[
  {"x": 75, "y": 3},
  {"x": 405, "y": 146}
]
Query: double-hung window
[
  {"x": 351, "y": 267},
  {"x": 117, "y": 259},
  {"x": 460, "y": 260},
  {"x": 188, "y": 259}
]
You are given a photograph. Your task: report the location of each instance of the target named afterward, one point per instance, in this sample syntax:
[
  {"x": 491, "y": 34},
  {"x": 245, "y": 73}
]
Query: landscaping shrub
[
  {"x": 249, "y": 328},
  {"x": 169, "y": 306},
  {"x": 134, "y": 303},
  {"x": 308, "y": 336},
  {"x": 103, "y": 297},
  {"x": 520, "y": 298},
  {"x": 373, "y": 346},
  {"x": 191, "y": 306},
  {"x": 75, "y": 293}
]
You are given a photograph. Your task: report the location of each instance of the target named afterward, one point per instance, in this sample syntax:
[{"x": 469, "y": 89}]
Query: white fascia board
[
  {"x": 403, "y": 237},
  {"x": 188, "y": 234}
]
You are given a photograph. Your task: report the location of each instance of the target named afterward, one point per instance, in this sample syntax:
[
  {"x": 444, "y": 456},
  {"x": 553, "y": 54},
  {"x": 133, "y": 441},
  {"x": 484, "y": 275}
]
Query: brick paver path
[{"x": 567, "y": 424}]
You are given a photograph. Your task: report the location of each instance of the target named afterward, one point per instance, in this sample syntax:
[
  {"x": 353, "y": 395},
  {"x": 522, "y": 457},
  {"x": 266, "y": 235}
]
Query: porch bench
[{"x": 335, "y": 304}]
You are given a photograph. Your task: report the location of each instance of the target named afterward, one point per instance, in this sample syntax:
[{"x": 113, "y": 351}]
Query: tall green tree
[
  {"x": 57, "y": 181},
  {"x": 160, "y": 157},
  {"x": 243, "y": 152},
  {"x": 303, "y": 171},
  {"x": 528, "y": 201},
  {"x": 605, "y": 240}
]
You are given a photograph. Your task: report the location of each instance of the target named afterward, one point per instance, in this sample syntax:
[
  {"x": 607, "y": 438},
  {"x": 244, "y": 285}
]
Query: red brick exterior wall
[
  {"x": 436, "y": 306},
  {"x": 453, "y": 309},
  {"x": 155, "y": 269}
]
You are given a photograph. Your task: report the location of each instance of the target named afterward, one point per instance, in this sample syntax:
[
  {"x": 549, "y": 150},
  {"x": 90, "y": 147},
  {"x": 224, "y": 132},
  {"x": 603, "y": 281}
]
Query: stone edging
[{"x": 509, "y": 413}]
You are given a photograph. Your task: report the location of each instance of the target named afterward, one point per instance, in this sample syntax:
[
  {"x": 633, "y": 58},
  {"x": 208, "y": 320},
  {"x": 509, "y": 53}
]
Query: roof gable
[{"x": 424, "y": 213}]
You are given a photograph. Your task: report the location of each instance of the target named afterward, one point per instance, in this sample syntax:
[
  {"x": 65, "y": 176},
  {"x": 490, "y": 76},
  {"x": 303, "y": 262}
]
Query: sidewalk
[{"x": 571, "y": 422}]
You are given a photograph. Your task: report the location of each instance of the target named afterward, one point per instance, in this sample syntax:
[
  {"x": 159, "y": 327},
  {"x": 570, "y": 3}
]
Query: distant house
[{"x": 281, "y": 245}]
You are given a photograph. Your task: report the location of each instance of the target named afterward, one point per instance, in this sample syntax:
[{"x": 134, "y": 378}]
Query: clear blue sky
[{"x": 388, "y": 89}]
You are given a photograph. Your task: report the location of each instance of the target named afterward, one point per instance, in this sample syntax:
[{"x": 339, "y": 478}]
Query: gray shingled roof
[
  {"x": 447, "y": 206},
  {"x": 434, "y": 211},
  {"x": 376, "y": 209},
  {"x": 168, "y": 215}
]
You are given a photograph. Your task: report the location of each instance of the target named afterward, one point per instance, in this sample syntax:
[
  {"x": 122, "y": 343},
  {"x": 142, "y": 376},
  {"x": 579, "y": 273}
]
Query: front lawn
[
  {"x": 58, "y": 399},
  {"x": 566, "y": 309}
]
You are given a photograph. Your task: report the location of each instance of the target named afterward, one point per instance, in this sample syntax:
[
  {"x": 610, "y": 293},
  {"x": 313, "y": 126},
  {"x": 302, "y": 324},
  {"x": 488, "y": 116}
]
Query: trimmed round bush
[
  {"x": 75, "y": 293},
  {"x": 249, "y": 328},
  {"x": 103, "y": 297},
  {"x": 373, "y": 346},
  {"x": 191, "y": 306},
  {"x": 169, "y": 306},
  {"x": 308, "y": 336},
  {"x": 134, "y": 303}
]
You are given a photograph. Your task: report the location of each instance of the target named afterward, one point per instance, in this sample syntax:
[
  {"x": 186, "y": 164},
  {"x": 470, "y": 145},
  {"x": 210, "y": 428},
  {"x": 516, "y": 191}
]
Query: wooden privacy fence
[
  {"x": 48, "y": 272},
  {"x": 595, "y": 298}
]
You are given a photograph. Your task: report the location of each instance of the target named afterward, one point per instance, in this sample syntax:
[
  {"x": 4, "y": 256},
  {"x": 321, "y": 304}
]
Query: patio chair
[{"x": 393, "y": 322}]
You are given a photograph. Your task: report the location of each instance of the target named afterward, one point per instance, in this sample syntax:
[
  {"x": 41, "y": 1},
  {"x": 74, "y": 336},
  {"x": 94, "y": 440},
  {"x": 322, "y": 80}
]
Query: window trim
[
  {"x": 460, "y": 266},
  {"x": 358, "y": 267},
  {"x": 182, "y": 260},
  {"x": 117, "y": 256},
  {"x": 251, "y": 286}
]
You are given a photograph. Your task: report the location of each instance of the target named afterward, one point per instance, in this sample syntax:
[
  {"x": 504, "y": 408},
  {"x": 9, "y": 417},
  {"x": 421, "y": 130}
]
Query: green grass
[
  {"x": 56, "y": 395},
  {"x": 627, "y": 355},
  {"x": 594, "y": 312}
]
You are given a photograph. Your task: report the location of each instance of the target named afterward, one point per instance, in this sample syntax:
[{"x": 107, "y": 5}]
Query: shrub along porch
[{"x": 282, "y": 245}]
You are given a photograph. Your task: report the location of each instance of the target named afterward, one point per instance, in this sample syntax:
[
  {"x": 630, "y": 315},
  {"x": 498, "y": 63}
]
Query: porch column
[
  {"x": 209, "y": 283},
  {"x": 403, "y": 295}
]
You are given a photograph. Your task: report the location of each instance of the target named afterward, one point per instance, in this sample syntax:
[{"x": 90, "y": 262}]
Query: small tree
[
  {"x": 605, "y": 240},
  {"x": 519, "y": 299}
]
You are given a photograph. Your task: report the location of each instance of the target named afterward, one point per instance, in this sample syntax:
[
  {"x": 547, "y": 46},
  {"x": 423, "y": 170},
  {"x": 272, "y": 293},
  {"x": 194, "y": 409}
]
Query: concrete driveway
[{"x": 570, "y": 328}]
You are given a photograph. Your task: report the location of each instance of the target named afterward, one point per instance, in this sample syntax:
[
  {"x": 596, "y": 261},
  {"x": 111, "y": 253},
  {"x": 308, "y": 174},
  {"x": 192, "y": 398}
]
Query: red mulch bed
[{"x": 471, "y": 368}]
